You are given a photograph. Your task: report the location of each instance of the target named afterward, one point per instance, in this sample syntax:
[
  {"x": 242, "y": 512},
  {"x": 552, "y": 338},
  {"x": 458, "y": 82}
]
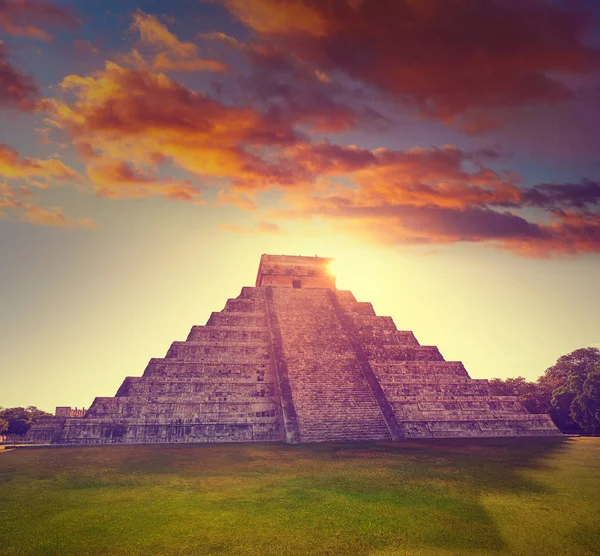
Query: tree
[
  {"x": 530, "y": 394},
  {"x": 585, "y": 407},
  {"x": 19, "y": 419},
  {"x": 560, "y": 409},
  {"x": 563, "y": 391},
  {"x": 3, "y": 426},
  {"x": 505, "y": 387},
  {"x": 35, "y": 412},
  {"x": 566, "y": 380},
  {"x": 577, "y": 362}
]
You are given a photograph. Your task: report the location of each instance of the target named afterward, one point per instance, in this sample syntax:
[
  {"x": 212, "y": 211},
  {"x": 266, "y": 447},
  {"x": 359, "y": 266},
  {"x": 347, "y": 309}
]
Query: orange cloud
[
  {"x": 52, "y": 216},
  {"x": 144, "y": 117},
  {"x": 403, "y": 224},
  {"x": 445, "y": 176},
  {"x": 116, "y": 179},
  {"x": 435, "y": 176},
  {"x": 276, "y": 17},
  {"x": 12, "y": 166},
  {"x": 122, "y": 120},
  {"x": 17, "y": 203},
  {"x": 441, "y": 196},
  {"x": 458, "y": 62},
  {"x": 27, "y": 18},
  {"x": 169, "y": 53}
]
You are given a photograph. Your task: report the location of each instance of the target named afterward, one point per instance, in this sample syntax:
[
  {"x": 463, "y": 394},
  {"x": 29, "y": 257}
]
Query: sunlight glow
[
  {"x": 355, "y": 270},
  {"x": 332, "y": 268}
]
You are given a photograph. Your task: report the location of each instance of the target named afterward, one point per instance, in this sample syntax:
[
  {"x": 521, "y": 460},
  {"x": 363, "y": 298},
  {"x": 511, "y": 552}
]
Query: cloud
[
  {"x": 27, "y": 18},
  {"x": 129, "y": 123},
  {"x": 148, "y": 118},
  {"x": 17, "y": 90},
  {"x": 326, "y": 158},
  {"x": 224, "y": 37},
  {"x": 260, "y": 228},
  {"x": 168, "y": 52},
  {"x": 292, "y": 92},
  {"x": 85, "y": 47},
  {"x": 459, "y": 62},
  {"x": 13, "y": 166},
  {"x": 564, "y": 195},
  {"x": 442, "y": 196},
  {"x": 17, "y": 203},
  {"x": 389, "y": 224},
  {"x": 17, "y": 199},
  {"x": 276, "y": 17},
  {"x": 116, "y": 179},
  {"x": 53, "y": 216},
  {"x": 236, "y": 199},
  {"x": 443, "y": 176},
  {"x": 435, "y": 224}
]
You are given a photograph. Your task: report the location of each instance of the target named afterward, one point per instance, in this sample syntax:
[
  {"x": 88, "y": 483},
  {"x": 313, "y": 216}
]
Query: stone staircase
[{"x": 332, "y": 398}]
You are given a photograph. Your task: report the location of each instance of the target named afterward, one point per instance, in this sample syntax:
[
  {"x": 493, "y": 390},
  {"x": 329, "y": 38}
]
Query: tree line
[{"x": 569, "y": 391}]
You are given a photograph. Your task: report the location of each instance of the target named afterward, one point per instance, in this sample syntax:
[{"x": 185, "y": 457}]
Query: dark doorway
[{"x": 297, "y": 284}]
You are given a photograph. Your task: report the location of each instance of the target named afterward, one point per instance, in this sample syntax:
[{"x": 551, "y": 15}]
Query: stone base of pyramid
[{"x": 295, "y": 360}]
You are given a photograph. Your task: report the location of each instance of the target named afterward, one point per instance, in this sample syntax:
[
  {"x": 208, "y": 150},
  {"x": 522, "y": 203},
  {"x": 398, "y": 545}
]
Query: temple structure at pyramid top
[
  {"x": 294, "y": 359},
  {"x": 295, "y": 272}
]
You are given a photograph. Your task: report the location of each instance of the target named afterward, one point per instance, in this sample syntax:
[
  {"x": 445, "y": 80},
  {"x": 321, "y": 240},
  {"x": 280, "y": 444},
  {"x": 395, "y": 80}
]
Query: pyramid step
[
  {"x": 358, "y": 308},
  {"x": 237, "y": 319},
  {"x": 228, "y": 334},
  {"x": 396, "y": 380},
  {"x": 252, "y": 293},
  {"x": 438, "y": 391},
  {"x": 376, "y": 322},
  {"x": 387, "y": 337},
  {"x": 415, "y": 369},
  {"x": 174, "y": 366},
  {"x": 186, "y": 350},
  {"x": 345, "y": 296},
  {"x": 244, "y": 305},
  {"x": 382, "y": 352},
  {"x": 199, "y": 386}
]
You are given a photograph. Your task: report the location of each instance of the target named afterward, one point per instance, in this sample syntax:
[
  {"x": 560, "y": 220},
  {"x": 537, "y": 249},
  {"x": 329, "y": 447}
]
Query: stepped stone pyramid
[{"x": 294, "y": 359}]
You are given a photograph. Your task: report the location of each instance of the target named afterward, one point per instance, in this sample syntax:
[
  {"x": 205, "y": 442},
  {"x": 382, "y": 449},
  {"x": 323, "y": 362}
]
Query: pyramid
[{"x": 294, "y": 359}]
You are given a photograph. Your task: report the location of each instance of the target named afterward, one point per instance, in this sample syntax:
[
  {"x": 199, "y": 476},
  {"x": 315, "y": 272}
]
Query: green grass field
[{"x": 505, "y": 496}]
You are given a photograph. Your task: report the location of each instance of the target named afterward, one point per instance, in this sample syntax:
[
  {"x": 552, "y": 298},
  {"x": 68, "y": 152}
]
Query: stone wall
[
  {"x": 294, "y": 272},
  {"x": 46, "y": 430}
]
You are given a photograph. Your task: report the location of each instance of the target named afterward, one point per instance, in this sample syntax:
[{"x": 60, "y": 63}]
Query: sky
[{"x": 445, "y": 152}]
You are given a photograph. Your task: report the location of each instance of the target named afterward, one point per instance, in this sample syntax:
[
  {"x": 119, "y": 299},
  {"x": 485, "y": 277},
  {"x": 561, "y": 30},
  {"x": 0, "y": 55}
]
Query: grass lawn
[{"x": 504, "y": 496}]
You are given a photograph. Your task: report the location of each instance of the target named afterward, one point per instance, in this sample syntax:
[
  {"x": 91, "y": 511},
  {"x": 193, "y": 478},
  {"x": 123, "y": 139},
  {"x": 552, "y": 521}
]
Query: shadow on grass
[
  {"x": 266, "y": 498},
  {"x": 439, "y": 482},
  {"x": 431, "y": 490}
]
